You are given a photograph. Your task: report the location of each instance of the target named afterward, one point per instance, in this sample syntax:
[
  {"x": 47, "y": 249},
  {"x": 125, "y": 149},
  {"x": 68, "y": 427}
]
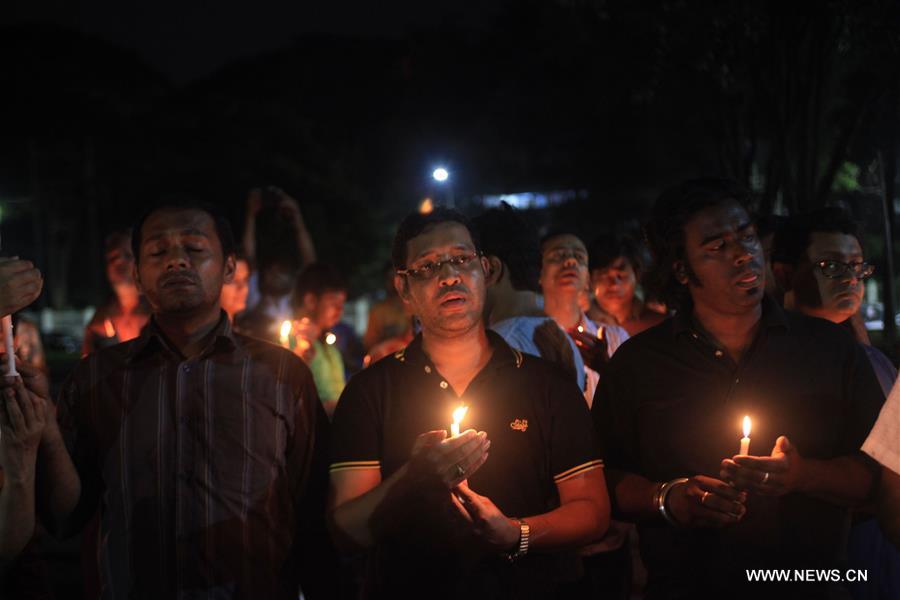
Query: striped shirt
[{"x": 204, "y": 470}]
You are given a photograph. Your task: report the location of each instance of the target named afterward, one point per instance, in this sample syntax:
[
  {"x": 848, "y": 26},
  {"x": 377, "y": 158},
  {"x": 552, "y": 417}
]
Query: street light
[{"x": 440, "y": 174}]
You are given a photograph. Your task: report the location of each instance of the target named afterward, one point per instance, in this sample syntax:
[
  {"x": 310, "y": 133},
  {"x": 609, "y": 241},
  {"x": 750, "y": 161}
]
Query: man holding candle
[
  {"x": 670, "y": 407},
  {"x": 202, "y": 448},
  {"x": 439, "y": 516}
]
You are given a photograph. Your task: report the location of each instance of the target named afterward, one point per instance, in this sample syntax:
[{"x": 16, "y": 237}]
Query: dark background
[{"x": 108, "y": 107}]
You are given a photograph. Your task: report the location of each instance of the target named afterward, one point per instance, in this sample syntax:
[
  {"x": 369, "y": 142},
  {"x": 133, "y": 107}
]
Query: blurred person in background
[
  {"x": 388, "y": 318},
  {"x": 319, "y": 297},
  {"x": 126, "y": 312},
  {"x": 234, "y": 293},
  {"x": 616, "y": 267}
]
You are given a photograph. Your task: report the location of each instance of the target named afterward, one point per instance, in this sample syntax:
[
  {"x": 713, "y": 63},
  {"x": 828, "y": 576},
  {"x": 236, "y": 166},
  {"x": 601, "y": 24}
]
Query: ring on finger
[
  {"x": 765, "y": 478},
  {"x": 703, "y": 497}
]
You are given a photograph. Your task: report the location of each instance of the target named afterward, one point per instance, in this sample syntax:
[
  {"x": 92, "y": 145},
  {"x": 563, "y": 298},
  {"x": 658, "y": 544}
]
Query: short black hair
[
  {"x": 223, "y": 227},
  {"x": 415, "y": 224},
  {"x": 665, "y": 229},
  {"x": 604, "y": 250},
  {"x": 555, "y": 232},
  {"x": 318, "y": 278},
  {"x": 508, "y": 235},
  {"x": 793, "y": 240}
]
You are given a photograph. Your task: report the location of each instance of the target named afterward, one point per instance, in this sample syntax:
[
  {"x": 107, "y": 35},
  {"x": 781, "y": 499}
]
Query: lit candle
[
  {"x": 285, "y": 337},
  {"x": 330, "y": 339},
  {"x": 599, "y": 333},
  {"x": 109, "y": 329},
  {"x": 458, "y": 415},
  {"x": 10, "y": 347},
  {"x": 580, "y": 329},
  {"x": 745, "y": 441}
]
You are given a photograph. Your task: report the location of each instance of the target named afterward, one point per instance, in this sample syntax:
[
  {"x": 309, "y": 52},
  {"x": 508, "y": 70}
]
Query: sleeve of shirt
[
  {"x": 613, "y": 414},
  {"x": 863, "y": 400},
  {"x": 356, "y": 437},
  {"x": 573, "y": 448},
  {"x": 883, "y": 443}
]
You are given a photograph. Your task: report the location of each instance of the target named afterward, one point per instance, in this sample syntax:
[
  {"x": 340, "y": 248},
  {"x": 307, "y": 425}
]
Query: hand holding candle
[{"x": 745, "y": 441}]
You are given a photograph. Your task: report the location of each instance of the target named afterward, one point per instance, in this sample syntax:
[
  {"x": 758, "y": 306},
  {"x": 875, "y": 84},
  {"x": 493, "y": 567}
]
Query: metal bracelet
[{"x": 663, "y": 496}]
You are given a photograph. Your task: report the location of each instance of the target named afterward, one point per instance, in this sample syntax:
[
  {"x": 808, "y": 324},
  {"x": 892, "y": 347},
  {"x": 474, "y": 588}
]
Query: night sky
[{"x": 190, "y": 40}]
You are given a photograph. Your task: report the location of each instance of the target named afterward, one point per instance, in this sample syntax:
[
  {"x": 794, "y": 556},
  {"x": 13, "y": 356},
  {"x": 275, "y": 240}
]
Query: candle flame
[
  {"x": 330, "y": 339},
  {"x": 109, "y": 328},
  {"x": 599, "y": 333},
  {"x": 580, "y": 329},
  {"x": 286, "y": 329},
  {"x": 746, "y": 426},
  {"x": 459, "y": 413}
]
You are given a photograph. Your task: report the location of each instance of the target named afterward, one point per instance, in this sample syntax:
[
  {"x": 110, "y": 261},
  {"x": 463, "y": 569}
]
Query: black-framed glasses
[
  {"x": 835, "y": 269},
  {"x": 430, "y": 269}
]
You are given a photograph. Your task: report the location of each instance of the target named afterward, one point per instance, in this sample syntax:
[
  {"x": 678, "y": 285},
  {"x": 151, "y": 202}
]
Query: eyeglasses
[
  {"x": 835, "y": 269},
  {"x": 430, "y": 269},
  {"x": 560, "y": 255}
]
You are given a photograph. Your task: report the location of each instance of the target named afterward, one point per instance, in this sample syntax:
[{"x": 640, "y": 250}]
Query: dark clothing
[
  {"x": 204, "y": 469},
  {"x": 671, "y": 405},
  {"x": 540, "y": 433}
]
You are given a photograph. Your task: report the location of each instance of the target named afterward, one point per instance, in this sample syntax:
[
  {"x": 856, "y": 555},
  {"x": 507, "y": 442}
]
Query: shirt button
[
  {"x": 443, "y": 385},
  {"x": 738, "y": 380},
  {"x": 186, "y": 368},
  {"x": 427, "y": 369},
  {"x": 719, "y": 353},
  {"x": 695, "y": 336}
]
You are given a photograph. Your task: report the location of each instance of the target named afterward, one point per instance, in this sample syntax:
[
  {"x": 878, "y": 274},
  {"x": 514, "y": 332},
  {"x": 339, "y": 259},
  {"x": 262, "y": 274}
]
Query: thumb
[{"x": 783, "y": 445}]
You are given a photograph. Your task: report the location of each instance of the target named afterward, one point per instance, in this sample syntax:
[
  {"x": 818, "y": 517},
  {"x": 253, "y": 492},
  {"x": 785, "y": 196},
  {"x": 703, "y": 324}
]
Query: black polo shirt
[
  {"x": 540, "y": 431},
  {"x": 671, "y": 405}
]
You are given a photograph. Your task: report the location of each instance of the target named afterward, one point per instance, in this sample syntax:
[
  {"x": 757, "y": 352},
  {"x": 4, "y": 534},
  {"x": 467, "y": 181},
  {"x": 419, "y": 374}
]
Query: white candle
[
  {"x": 10, "y": 347},
  {"x": 285, "y": 332},
  {"x": 745, "y": 441},
  {"x": 458, "y": 415}
]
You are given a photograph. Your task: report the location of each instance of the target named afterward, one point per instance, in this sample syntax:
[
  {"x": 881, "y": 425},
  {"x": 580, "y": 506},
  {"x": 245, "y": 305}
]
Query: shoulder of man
[{"x": 273, "y": 355}]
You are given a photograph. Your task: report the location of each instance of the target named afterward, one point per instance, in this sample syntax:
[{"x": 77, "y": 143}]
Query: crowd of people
[{"x": 525, "y": 415}]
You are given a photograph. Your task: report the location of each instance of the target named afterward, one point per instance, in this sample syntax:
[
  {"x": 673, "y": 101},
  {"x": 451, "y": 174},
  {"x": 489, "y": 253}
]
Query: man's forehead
[
  {"x": 565, "y": 240},
  {"x": 179, "y": 221},
  {"x": 442, "y": 236},
  {"x": 723, "y": 217},
  {"x": 828, "y": 242}
]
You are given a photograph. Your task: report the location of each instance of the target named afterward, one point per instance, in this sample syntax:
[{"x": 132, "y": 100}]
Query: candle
[
  {"x": 330, "y": 339},
  {"x": 745, "y": 441},
  {"x": 458, "y": 415},
  {"x": 10, "y": 347},
  {"x": 599, "y": 333},
  {"x": 109, "y": 329},
  {"x": 285, "y": 337},
  {"x": 580, "y": 329}
]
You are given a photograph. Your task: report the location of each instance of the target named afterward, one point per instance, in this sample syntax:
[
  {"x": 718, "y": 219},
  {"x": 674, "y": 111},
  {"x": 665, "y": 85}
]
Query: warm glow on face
[
  {"x": 459, "y": 413},
  {"x": 330, "y": 339},
  {"x": 286, "y": 329},
  {"x": 746, "y": 426}
]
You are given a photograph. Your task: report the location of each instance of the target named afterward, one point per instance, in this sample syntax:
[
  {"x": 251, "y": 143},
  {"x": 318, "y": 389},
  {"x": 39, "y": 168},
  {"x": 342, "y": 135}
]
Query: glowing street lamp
[{"x": 440, "y": 174}]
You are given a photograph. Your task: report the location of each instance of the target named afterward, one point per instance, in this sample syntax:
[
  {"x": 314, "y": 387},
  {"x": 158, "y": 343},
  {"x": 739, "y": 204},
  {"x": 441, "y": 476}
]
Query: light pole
[{"x": 442, "y": 176}]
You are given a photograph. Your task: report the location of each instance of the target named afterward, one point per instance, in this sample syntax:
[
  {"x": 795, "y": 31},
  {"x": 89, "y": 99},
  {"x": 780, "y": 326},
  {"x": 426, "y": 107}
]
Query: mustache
[{"x": 453, "y": 289}]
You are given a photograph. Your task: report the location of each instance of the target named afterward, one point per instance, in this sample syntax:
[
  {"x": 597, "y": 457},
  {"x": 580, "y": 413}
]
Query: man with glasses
[
  {"x": 439, "y": 515},
  {"x": 818, "y": 260}
]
